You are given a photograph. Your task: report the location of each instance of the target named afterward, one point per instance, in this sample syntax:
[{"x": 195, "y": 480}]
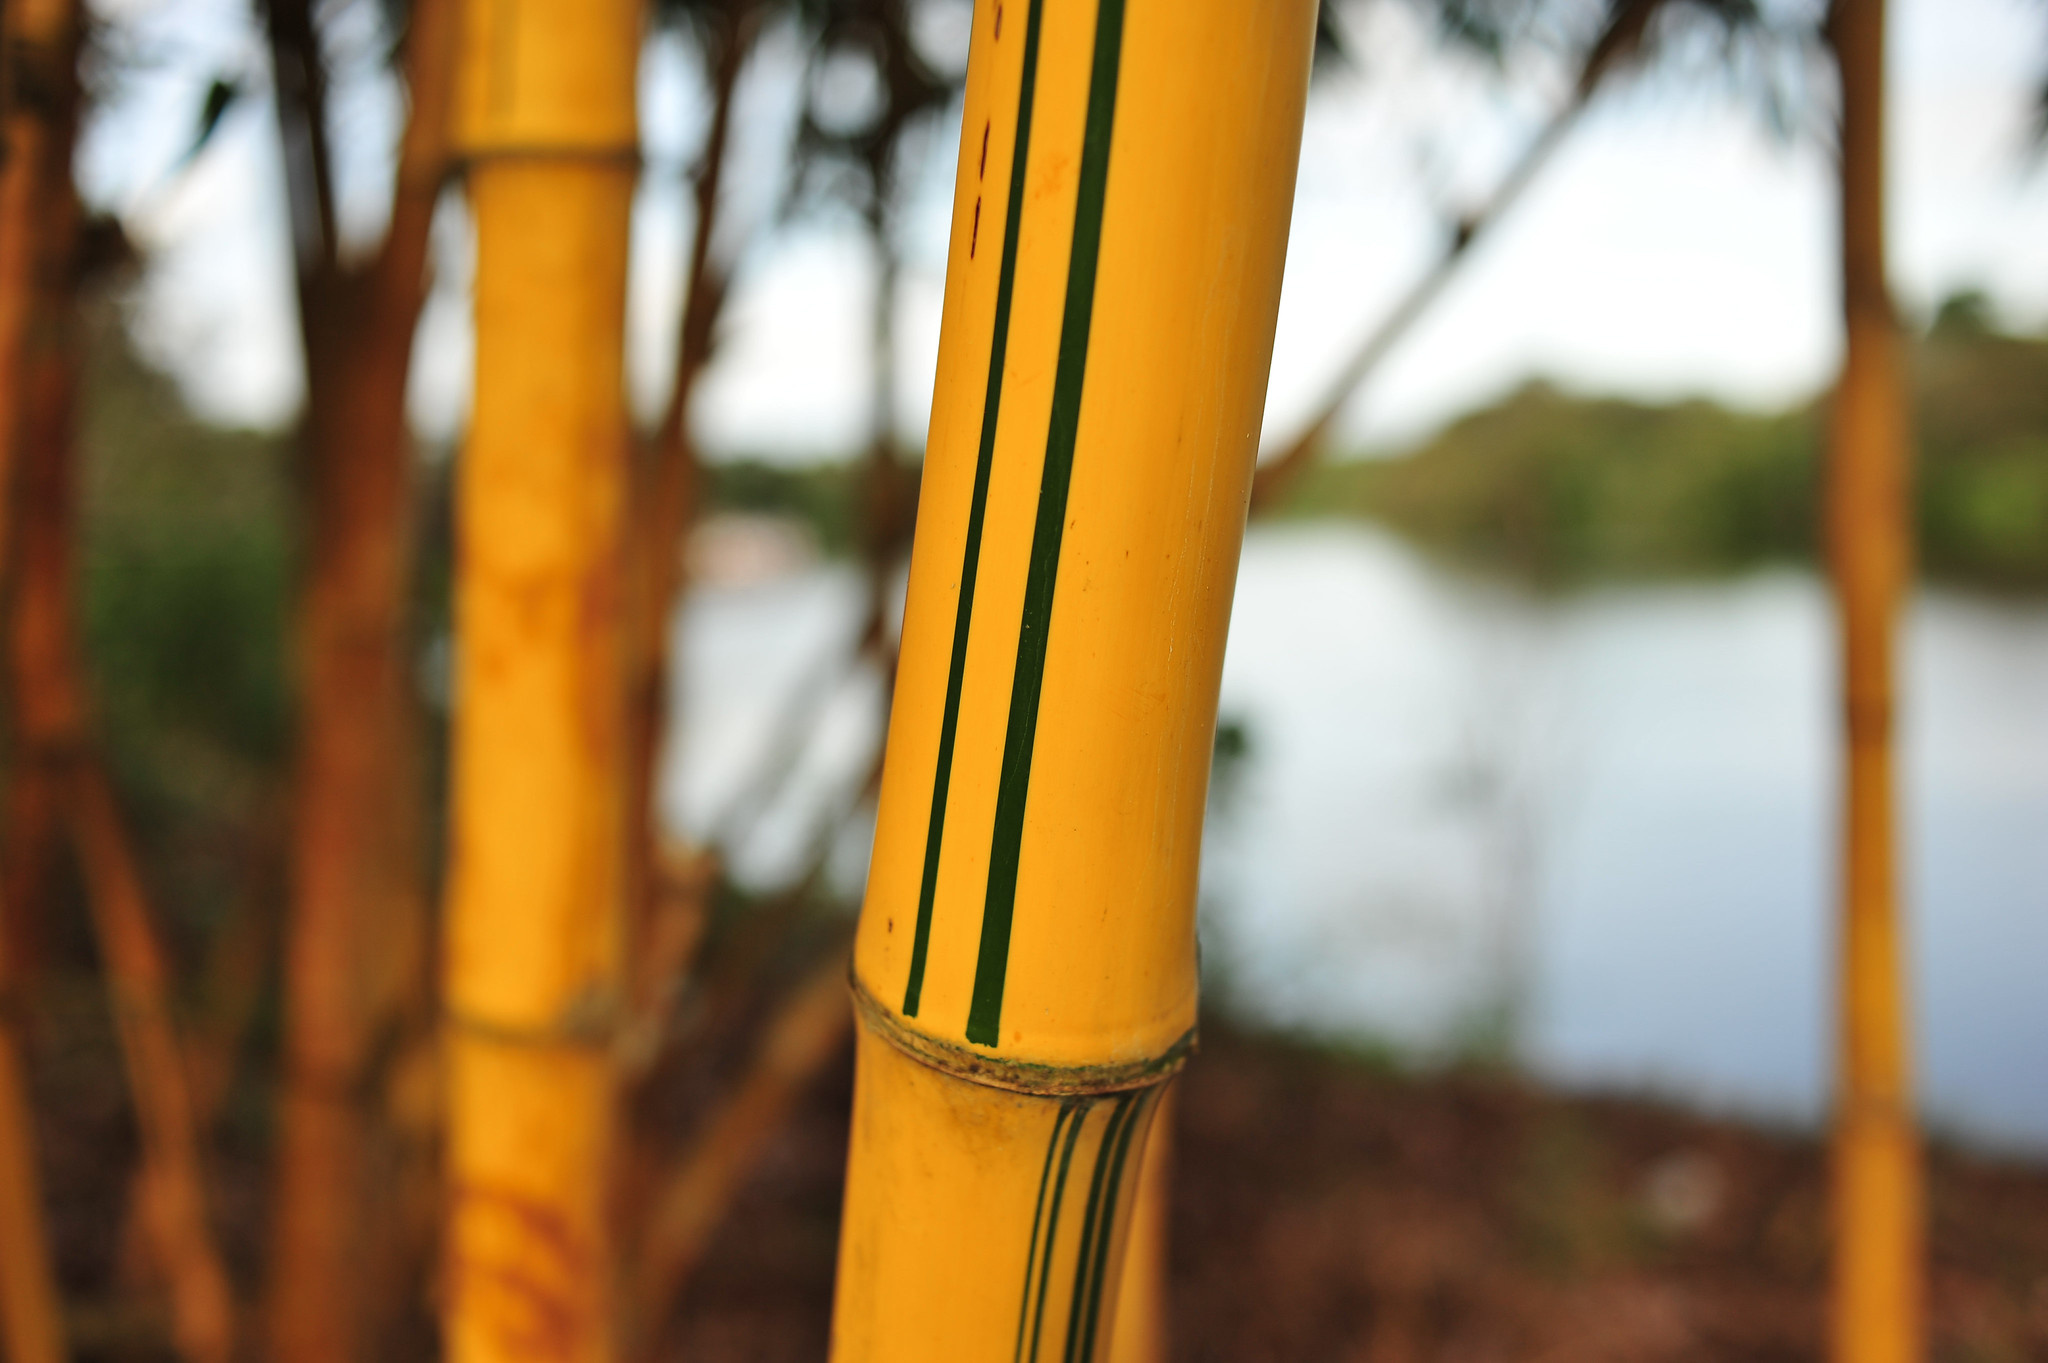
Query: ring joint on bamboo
[
  {"x": 627, "y": 157},
  {"x": 586, "y": 1025},
  {"x": 1018, "y": 1076}
]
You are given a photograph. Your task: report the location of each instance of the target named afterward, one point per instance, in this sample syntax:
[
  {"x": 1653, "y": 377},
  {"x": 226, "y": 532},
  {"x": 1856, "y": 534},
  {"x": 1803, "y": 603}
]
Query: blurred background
[{"x": 1518, "y": 894}]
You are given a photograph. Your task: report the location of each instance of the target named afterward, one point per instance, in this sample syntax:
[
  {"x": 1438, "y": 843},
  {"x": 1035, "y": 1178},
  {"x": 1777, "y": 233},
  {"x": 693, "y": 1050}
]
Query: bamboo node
[
  {"x": 620, "y": 155},
  {"x": 592, "y": 1021},
  {"x": 1018, "y": 1076}
]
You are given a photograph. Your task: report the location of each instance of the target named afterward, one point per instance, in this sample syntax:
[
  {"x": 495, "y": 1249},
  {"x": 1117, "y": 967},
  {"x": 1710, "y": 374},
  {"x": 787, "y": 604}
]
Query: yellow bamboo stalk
[
  {"x": 1024, "y": 969},
  {"x": 1878, "y": 1255},
  {"x": 1143, "y": 1307},
  {"x": 532, "y": 984}
]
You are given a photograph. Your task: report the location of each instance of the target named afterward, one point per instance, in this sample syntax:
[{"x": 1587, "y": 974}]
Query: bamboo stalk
[
  {"x": 31, "y": 1314},
  {"x": 532, "y": 983},
  {"x": 1878, "y": 1252},
  {"x": 1024, "y": 967},
  {"x": 51, "y": 711},
  {"x": 355, "y": 943},
  {"x": 202, "y": 1304},
  {"x": 1618, "y": 43},
  {"x": 38, "y": 218},
  {"x": 234, "y": 979},
  {"x": 1143, "y": 1314}
]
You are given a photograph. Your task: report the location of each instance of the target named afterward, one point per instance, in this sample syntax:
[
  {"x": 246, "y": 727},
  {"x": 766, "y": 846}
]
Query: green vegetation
[
  {"x": 186, "y": 579},
  {"x": 1563, "y": 489},
  {"x": 825, "y": 497}
]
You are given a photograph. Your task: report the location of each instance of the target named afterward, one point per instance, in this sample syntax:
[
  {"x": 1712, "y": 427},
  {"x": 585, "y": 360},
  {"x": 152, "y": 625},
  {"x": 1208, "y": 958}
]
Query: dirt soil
[
  {"x": 1328, "y": 1209},
  {"x": 1324, "y": 1208}
]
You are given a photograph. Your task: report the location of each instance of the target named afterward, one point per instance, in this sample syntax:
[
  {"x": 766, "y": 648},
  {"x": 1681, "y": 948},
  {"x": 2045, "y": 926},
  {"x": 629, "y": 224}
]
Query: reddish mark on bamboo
[
  {"x": 538, "y": 1321},
  {"x": 974, "y": 236},
  {"x": 545, "y": 1311},
  {"x": 545, "y": 1224},
  {"x": 982, "y": 169},
  {"x": 600, "y": 624}
]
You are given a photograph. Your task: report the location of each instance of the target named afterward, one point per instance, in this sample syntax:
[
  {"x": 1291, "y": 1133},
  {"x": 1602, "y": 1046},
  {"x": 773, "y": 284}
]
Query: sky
[{"x": 1675, "y": 246}]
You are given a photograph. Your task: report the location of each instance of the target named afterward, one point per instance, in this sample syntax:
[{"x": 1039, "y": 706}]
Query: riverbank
[{"x": 1329, "y": 1209}]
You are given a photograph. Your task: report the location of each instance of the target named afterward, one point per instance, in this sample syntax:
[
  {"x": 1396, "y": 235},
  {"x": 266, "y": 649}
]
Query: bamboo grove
[{"x": 491, "y": 962}]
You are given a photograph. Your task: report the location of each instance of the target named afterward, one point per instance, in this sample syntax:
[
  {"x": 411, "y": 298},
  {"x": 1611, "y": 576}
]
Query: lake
[{"x": 1591, "y": 833}]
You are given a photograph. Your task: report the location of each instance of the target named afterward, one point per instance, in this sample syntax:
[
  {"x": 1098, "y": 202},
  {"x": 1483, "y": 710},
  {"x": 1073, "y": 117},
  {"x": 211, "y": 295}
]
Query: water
[{"x": 1593, "y": 833}]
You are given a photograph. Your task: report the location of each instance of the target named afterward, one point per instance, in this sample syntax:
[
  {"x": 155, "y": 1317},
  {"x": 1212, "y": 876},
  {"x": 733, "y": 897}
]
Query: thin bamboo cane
[
  {"x": 355, "y": 940},
  {"x": 52, "y": 714},
  {"x": 38, "y": 45},
  {"x": 532, "y": 981},
  {"x": 1024, "y": 968},
  {"x": 202, "y": 1304},
  {"x": 1878, "y": 1253},
  {"x": 31, "y": 1314},
  {"x": 234, "y": 979}
]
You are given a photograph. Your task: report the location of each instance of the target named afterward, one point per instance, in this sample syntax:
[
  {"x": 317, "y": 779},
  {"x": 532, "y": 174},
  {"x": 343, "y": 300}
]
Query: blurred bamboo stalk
[
  {"x": 1878, "y": 1253},
  {"x": 1619, "y": 41},
  {"x": 533, "y": 972},
  {"x": 1024, "y": 965},
  {"x": 355, "y": 946},
  {"x": 54, "y": 747},
  {"x": 234, "y": 980},
  {"x": 31, "y": 1313},
  {"x": 174, "y": 1207}
]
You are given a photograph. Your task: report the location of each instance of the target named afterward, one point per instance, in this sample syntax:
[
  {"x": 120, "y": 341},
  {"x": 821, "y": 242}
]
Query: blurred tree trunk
[
  {"x": 357, "y": 934},
  {"x": 1877, "y": 1214},
  {"x": 54, "y": 752},
  {"x": 31, "y": 1314},
  {"x": 533, "y": 975}
]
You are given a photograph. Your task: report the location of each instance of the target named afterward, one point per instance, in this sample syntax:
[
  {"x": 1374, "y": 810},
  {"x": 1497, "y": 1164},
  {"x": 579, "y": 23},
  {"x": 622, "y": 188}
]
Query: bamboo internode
[
  {"x": 31, "y": 1317},
  {"x": 1025, "y": 961},
  {"x": 355, "y": 950},
  {"x": 533, "y": 982},
  {"x": 1878, "y": 1255}
]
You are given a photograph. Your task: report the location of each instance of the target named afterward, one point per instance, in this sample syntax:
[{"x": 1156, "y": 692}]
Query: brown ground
[
  {"x": 1323, "y": 1209},
  {"x": 1327, "y": 1210}
]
